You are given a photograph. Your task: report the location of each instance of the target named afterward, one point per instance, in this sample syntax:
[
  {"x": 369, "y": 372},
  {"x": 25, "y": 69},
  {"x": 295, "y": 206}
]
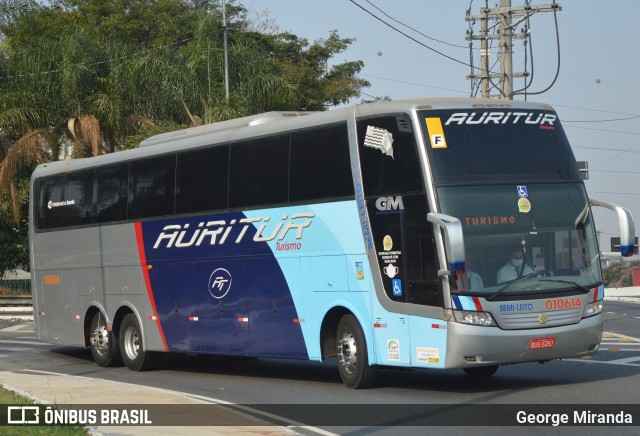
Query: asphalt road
[{"x": 612, "y": 376}]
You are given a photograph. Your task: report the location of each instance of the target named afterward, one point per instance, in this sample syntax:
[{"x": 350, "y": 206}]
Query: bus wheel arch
[
  {"x": 342, "y": 336},
  {"x": 104, "y": 345},
  {"x": 328, "y": 331}
]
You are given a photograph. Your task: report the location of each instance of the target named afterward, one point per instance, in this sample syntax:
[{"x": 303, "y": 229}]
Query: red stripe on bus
[
  {"x": 476, "y": 301},
  {"x": 147, "y": 281}
]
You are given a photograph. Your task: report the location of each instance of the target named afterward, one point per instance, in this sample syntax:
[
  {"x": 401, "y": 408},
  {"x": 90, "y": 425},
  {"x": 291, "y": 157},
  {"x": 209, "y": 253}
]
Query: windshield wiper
[
  {"x": 584, "y": 289},
  {"x": 507, "y": 284}
]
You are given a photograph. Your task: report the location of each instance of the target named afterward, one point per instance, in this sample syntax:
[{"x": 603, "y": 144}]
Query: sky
[{"x": 596, "y": 92}]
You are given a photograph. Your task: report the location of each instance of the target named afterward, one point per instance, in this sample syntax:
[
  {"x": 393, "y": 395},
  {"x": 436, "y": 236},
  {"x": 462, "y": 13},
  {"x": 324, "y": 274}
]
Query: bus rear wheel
[
  {"x": 481, "y": 371},
  {"x": 104, "y": 344},
  {"x": 131, "y": 347},
  {"x": 353, "y": 360}
]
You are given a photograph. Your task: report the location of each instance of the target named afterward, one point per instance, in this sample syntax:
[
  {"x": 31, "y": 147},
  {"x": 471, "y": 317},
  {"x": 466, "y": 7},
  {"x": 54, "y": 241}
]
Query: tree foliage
[
  {"x": 103, "y": 74},
  {"x": 619, "y": 275}
]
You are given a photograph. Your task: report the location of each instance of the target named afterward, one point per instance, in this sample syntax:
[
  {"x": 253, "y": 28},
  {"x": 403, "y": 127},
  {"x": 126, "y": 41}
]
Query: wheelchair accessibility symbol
[
  {"x": 396, "y": 285},
  {"x": 522, "y": 191}
]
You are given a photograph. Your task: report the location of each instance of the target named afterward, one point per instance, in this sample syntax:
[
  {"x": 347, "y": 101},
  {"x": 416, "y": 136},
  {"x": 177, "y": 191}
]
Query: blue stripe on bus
[
  {"x": 462, "y": 302},
  {"x": 194, "y": 261},
  {"x": 277, "y": 262}
]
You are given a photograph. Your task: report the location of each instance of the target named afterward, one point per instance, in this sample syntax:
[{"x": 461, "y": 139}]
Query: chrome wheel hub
[
  {"x": 100, "y": 340},
  {"x": 131, "y": 343},
  {"x": 348, "y": 352}
]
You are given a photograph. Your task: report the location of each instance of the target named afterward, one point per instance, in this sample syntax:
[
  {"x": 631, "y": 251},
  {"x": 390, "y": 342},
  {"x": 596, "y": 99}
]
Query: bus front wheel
[
  {"x": 353, "y": 361},
  {"x": 481, "y": 371},
  {"x": 131, "y": 348},
  {"x": 104, "y": 344}
]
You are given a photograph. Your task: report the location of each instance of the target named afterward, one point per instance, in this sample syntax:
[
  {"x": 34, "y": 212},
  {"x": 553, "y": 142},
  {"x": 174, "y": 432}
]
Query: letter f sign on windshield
[{"x": 436, "y": 133}]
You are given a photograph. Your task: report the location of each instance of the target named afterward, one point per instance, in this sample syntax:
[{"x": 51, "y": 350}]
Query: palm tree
[{"x": 96, "y": 94}]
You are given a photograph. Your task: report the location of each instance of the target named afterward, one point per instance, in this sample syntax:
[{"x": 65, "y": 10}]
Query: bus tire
[
  {"x": 481, "y": 371},
  {"x": 353, "y": 360},
  {"x": 131, "y": 347},
  {"x": 103, "y": 343}
]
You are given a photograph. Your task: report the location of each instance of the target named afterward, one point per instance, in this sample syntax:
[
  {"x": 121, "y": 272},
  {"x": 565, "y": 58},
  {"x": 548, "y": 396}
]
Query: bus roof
[{"x": 270, "y": 123}]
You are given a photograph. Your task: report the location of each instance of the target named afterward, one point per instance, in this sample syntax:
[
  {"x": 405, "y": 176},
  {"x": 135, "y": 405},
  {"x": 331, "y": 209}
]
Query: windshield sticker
[
  {"x": 522, "y": 191},
  {"x": 436, "y": 133},
  {"x": 396, "y": 285},
  {"x": 380, "y": 139},
  {"x": 387, "y": 243},
  {"x": 524, "y": 205}
]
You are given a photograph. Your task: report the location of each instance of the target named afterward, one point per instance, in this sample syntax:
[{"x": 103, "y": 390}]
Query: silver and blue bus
[{"x": 377, "y": 235}]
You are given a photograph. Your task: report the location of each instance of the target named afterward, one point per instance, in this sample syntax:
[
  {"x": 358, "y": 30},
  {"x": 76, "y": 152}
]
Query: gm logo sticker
[
  {"x": 386, "y": 205},
  {"x": 219, "y": 283}
]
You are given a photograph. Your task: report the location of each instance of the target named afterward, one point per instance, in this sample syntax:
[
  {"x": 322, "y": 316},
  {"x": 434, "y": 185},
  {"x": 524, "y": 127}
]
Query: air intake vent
[{"x": 404, "y": 124}]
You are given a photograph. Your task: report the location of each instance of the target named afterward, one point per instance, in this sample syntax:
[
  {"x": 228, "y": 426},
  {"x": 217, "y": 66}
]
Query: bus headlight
[
  {"x": 474, "y": 318},
  {"x": 592, "y": 309}
]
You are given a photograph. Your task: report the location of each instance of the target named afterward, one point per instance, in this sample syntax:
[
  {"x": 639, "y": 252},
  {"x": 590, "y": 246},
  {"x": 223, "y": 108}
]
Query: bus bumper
[{"x": 470, "y": 346}]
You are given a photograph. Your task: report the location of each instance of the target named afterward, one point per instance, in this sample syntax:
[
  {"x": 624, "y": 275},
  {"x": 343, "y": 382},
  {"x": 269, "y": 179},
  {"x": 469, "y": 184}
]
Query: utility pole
[
  {"x": 504, "y": 15},
  {"x": 506, "y": 51}
]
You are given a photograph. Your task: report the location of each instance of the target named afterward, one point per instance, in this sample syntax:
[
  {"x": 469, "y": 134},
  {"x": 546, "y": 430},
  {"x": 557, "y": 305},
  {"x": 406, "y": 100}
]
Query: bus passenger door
[
  {"x": 222, "y": 322},
  {"x": 390, "y": 319}
]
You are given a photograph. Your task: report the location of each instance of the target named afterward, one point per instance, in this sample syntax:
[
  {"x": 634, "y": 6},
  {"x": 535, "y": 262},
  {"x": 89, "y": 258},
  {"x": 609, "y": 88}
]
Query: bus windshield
[
  {"x": 532, "y": 238},
  {"x": 491, "y": 146}
]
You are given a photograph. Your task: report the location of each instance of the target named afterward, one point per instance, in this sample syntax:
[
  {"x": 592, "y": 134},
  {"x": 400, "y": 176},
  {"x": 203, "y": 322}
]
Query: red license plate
[{"x": 538, "y": 343}]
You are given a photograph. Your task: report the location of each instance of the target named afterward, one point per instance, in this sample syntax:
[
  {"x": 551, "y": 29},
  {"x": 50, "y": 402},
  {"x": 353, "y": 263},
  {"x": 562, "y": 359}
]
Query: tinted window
[
  {"x": 50, "y": 202},
  {"x": 384, "y": 174},
  {"x": 259, "y": 172},
  {"x": 77, "y": 198},
  {"x": 151, "y": 186},
  {"x": 111, "y": 193},
  {"x": 320, "y": 166},
  {"x": 489, "y": 146},
  {"x": 202, "y": 180}
]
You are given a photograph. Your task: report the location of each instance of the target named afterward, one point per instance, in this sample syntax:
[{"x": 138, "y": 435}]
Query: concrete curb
[{"x": 51, "y": 388}]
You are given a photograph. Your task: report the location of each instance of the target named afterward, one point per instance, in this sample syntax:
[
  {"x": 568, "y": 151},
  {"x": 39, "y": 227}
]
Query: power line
[
  {"x": 593, "y": 110},
  {"x": 601, "y": 121},
  {"x": 605, "y": 149},
  {"x": 614, "y": 171},
  {"x": 410, "y": 37},
  {"x": 417, "y": 31},
  {"x": 414, "y": 84},
  {"x": 604, "y": 130}
]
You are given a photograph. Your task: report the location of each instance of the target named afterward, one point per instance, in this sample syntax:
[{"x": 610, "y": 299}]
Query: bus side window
[
  {"x": 151, "y": 187},
  {"x": 320, "y": 167},
  {"x": 78, "y": 195},
  {"x": 50, "y": 196},
  {"x": 202, "y": 179},
  {"x": 111, "y": 193},
  {"x": 382, "y": 174},
  {"x": 258, "y": 172}
]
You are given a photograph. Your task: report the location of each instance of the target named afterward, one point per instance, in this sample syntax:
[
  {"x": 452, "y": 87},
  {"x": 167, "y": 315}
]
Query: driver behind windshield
[{"x": 515, "y": 268}]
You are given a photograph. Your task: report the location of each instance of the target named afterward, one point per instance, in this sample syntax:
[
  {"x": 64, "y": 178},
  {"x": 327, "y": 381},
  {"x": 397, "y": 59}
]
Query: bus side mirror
[
  {"x": 453, "y": 241},
  {"x": 625, "y": 222}
]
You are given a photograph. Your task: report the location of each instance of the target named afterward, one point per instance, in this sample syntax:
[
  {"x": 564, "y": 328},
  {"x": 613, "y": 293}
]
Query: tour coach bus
[{"x": 375, "y": 234}]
